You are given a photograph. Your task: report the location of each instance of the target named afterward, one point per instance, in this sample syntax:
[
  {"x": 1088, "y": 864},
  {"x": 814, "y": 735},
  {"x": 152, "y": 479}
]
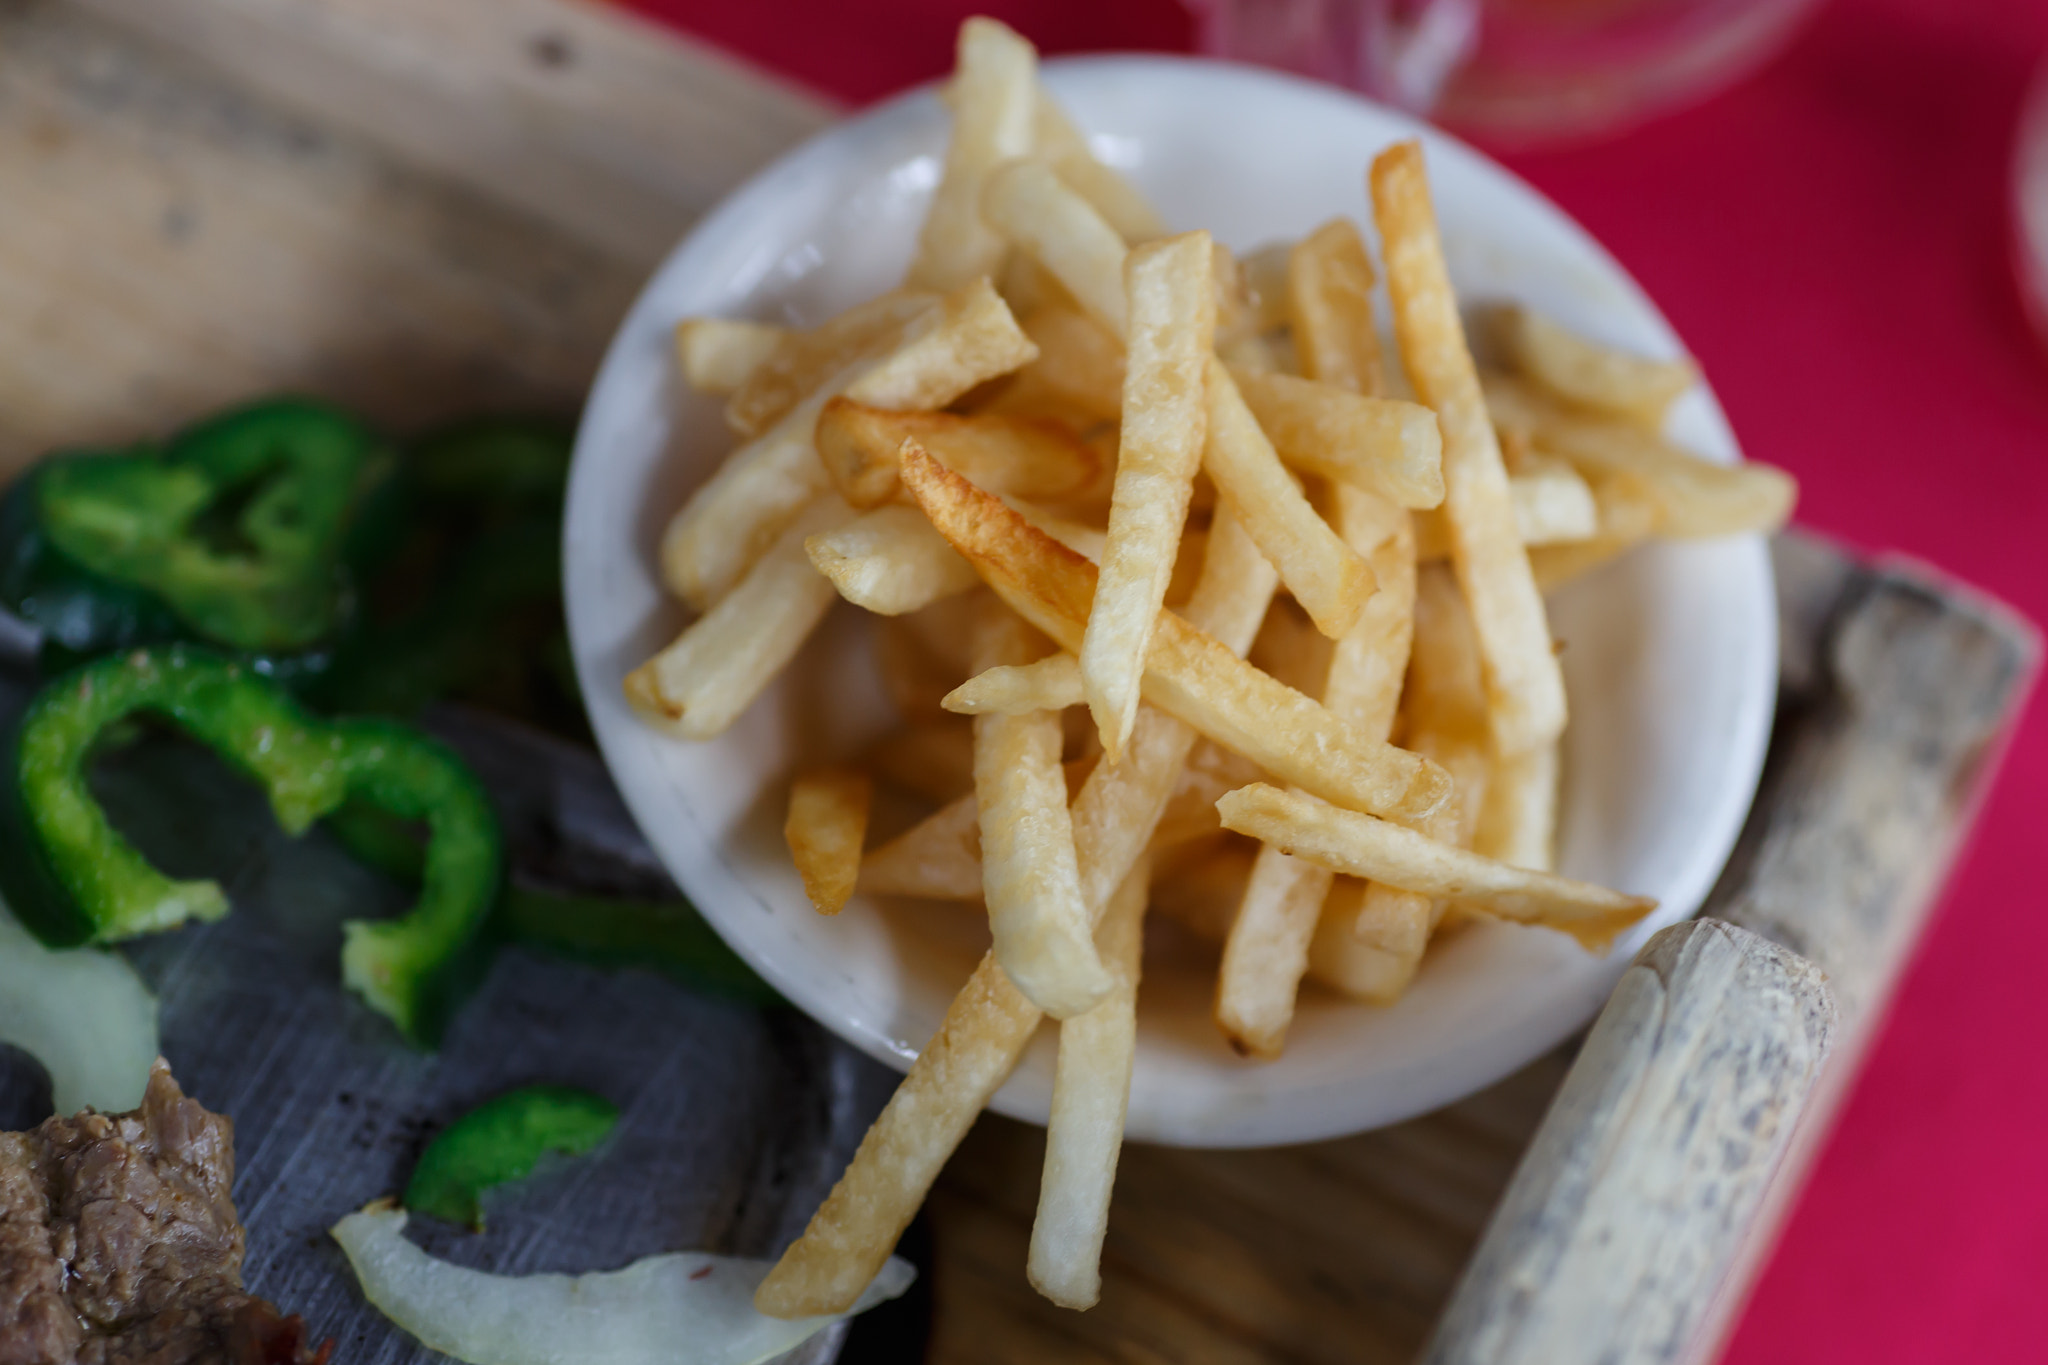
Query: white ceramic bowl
[{"x": 1670, "y": 654}]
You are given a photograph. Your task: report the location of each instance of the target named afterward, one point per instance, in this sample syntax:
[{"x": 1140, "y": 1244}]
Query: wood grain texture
[
  {"x": 1639, "y": 1190},
  {"x": 171, "y": 245},
  {"x": 582, "y": 114}
]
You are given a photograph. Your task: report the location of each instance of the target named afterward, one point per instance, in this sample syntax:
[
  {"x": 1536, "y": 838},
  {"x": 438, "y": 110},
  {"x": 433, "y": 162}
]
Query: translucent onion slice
[
  {"x": 688, "y": 1308},
  {"x": 81, "y": 1012}
]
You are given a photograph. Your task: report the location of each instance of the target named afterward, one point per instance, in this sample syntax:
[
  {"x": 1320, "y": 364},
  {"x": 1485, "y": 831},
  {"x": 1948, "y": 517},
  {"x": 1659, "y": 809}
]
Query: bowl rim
[{"x": 1480, "y": 1066}]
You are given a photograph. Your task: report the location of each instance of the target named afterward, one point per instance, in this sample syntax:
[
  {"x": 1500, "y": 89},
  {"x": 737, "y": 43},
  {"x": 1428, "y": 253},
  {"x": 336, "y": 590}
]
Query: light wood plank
[
  {"x": 582, "y": 114},
  {"x": 1640, "y": 1187},
  {"x": 171, "y": 245}
]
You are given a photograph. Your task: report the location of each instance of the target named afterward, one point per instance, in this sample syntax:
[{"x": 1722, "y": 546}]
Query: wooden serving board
[{"x": 422, "y": 209}]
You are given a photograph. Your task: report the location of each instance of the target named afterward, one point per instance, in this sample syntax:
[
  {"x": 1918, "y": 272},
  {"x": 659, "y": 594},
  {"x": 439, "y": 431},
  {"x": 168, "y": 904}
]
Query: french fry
[
  {"x": 699, "y": 685},
  {"x": 938, "y": 858},
  {"x": 803, "y": 360},
  {"x": 1329, "y": 302},
  {"x": 1694, "y": 497},
  {"x": 1384, "y": 445},
  {"x": 1265, "y": 285},
  {"x": 990, "y": 1021},
  {"x": 732, "y": 519},
  {"x": 1634, "y": 387},
  {"x": 1188, "y": 674},
  {"x": 1121, "y": 806},
  {"x": 1062, "y": 145},
  {"x": 1172, "y": 327},
  {"x": 1036, "y": 459},
  {"x": 716, "y": 355},
  {"x": 890, "y": 561},
  {"x": 1080, "y": 368},
  {"x": 1330, "y": 579},
  {"x": 1029, "y": 878},
  {"x": 1050, "y": 684},
  {"x": 994, "y": 95},
  {"x": 1026, "y": 202},
  {"x": 1202, "y": 895},
  {"x": 949, "y": 1084},
  {"x": 1523, "y": 680},
  {"x": 1518, "y": 820},
  {"x": 1369, "y": 944},
  {"x": 1266, "y": 951},
  {"x": 1382, "y": 851},
  {"x": 1629, "y": 511},
  {"x": 933, "y": 759},
  {"x": 825, "y": 827},
  {"x": 1268, "y": 948},
  {"x": 1553, "y": 505},
  {"x": 1085, "y": 1131}
]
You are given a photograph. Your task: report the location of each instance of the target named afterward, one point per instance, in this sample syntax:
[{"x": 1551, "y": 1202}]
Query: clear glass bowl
[{"x": 1510, "y": 71}]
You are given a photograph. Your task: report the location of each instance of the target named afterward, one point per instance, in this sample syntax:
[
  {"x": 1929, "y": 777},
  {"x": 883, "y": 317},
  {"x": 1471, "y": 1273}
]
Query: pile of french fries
[{"x": 1190, "y": 602}]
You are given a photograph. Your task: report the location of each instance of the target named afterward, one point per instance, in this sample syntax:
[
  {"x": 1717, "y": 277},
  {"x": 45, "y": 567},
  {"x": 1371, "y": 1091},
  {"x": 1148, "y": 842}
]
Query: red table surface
[{"x": 1830, "y": 239}]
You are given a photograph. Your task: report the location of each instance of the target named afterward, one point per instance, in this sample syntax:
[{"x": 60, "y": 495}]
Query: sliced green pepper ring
[
  {"x": 72, "y": 878},
  {"x": 238, "y": 528}
]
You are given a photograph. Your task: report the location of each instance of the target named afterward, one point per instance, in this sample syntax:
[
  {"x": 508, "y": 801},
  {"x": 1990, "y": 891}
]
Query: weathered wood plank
[
  {"x": 170, "y": 245},
  {"x": 581, "y": 114},
  {"x": 1639, "y": 1189}
]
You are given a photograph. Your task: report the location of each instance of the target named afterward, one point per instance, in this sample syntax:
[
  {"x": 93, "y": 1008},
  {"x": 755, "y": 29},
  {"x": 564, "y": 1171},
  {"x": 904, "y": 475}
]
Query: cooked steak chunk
[{"x": 119, "y": 1243}]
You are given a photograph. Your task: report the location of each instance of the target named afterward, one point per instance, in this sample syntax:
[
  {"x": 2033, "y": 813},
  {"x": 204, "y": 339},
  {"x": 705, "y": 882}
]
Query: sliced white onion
[
  {"x": 687, "y": 1308},
  {"x": 83, "y": 1013}
]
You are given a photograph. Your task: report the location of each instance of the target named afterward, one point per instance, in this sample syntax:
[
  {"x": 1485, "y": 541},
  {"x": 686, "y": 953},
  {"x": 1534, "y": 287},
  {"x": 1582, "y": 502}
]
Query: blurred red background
[{"x": 1829, "y": 237}]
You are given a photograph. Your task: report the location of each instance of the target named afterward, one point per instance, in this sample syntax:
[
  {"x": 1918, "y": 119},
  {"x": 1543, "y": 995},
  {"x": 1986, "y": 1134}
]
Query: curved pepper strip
[
  {"x": 72, "y": 878},
  {"x": 234, "y": 533}
]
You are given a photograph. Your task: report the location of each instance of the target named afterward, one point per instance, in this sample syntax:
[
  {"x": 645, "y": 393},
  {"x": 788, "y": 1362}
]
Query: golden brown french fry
[
  {"x": 1121, "y": 807},
  {"x": 1080, "y": 369},
  {"x": 1050, "y": 684},
  {"x": 1365, "y": 846},
  {"x": 1028, "y": 875},
  {"x": 716, "y": 355},
  {"x": 1268, "y": 948},
  {"x": 1330, "y": 579},
  {"x": 931, "y": 758},
  {"x": 1329, "y": 303},
  {"x": 938, "y": 858},
  {"x": 949, "y": 1084},
  {"x": 1187, "y": 674},
  {"x": 1584, "y": 372},
  {"x": 1384, "y": 445},
  {"x": 1026, "y": 202},
  {"x": 803, "y": 360},
  {"x": 1518, "y": 820},
  {"x": 890, "y": 561},
  {"x": 825, "y": 827},
  {"x": 1523, "y": 680},
  {"x": 990, "y": 1020},
  {"x": 1202, "y": 894},
  {"x": 1694, "y": 497},
  {"x": 1172, "y": 327},
  {"x": 1265, "y": 284},
  {"x": 1630, "y": 512},
  {"x": 715, "y": 669},
  {"x": 994, "y": 95},
  {"x": 1085, "y": 1130},
  {"x": 1060, "y": 143},
  {"x": 734, "y": 516},
  {"x": 1553, "y": 506},
  {"x": 1033, "y": 458}
]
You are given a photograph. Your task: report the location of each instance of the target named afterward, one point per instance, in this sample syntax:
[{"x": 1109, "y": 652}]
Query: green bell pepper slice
[
  {"x": 72, "y": 878},
  {"x": 500, "y": 1141},
  {"x": 235, "y": 533}
]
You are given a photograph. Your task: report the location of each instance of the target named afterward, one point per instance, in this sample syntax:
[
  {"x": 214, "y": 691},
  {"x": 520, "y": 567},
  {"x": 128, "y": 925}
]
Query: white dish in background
[{"x": 1670, "y": 654}]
